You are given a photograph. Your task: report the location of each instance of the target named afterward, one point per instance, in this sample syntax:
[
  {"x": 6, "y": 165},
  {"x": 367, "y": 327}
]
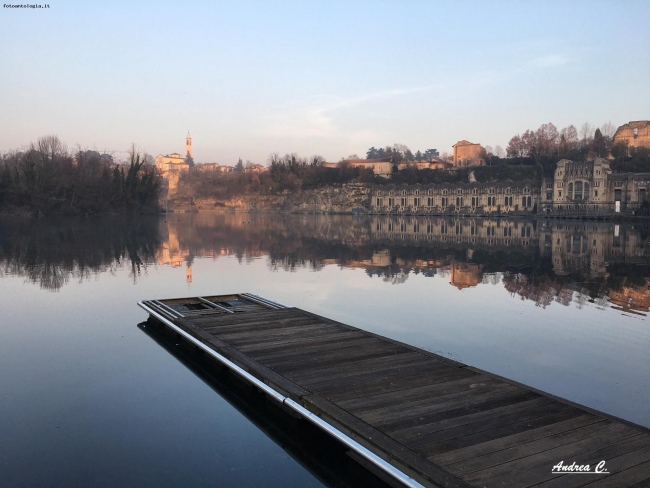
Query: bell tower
[{"x": 188, "y": 145}]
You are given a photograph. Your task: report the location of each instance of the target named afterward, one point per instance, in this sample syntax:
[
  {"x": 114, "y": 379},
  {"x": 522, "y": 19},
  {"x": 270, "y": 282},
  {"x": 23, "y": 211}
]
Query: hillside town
[{"x": 587, "y": 187}]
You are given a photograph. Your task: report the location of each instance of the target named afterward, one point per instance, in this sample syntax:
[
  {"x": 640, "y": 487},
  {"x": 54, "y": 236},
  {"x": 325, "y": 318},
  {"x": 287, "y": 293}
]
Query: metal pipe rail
[{"x": 262, "y": 301}]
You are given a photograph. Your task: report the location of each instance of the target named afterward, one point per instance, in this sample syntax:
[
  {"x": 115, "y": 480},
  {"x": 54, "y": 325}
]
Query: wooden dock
[{"x": 408, "y": 415}]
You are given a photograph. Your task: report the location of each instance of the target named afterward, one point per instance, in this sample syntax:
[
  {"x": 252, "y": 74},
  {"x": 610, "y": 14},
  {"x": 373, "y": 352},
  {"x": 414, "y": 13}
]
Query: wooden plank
[
  {"x": 248, "y": 317},
  {"x": 295, "y": 350},
  {"x": 619, "y": 469},
  {"x": 644, "y": 483},
  {"x": 393, "y": 341},
  {"x": 422, "y": 366},
  {"x": 528, "y": 449},
  {"x": 488, "y": 435},
  {"x": 274, "y": 345},
  {"x": 634, "y": 475},
  {"x": 398, "y": 417},
  {"x": 340, "y": 357},
  {"x": 278, "y": 332},
  {"x": 387, "y": 385},
  {"x": 358, "y": 367},
  {"x": 513, "y": 440},
  {"x": 261, "y": 372},
  {"x": 618, "y": 457},
  {"x": 564, "y": 400},
  {"x": 371, "y": 437},
  {"x": 519, "y": 472},
  {"x": 260, "y": 326},
  {"x": 312, "y": 330},
  {"x": 384, "y": 400},
  {"x": 482, "y": 425},
  {"x": 423, "y": 429}
]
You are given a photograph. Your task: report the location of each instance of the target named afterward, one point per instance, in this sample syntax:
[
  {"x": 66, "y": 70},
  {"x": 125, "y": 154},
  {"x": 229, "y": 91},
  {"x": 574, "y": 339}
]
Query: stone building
[
  {"x": 467, "y": 154},
  {"x": 502, "y": 198},
  {"x": 590, "y": 188},
  {"x": 171, "y": 165},
  {"x": 626, "y": 192},
  {"x": 207, "y": 167},
  {"x": 635, "y": 134},
  {"x": 171, "y": 162},
  {"x": 380, "y": 167},
  {"x": 579, "y": 187},
  {"x": 174, "y": 161}
]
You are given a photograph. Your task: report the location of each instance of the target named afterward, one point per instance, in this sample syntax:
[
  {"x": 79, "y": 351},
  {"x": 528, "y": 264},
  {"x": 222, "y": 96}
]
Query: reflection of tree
[{"x": 54, "y": 251}]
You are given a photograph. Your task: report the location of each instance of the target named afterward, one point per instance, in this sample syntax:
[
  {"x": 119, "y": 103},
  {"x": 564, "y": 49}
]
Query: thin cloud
[{"x": 318, "y": 119}]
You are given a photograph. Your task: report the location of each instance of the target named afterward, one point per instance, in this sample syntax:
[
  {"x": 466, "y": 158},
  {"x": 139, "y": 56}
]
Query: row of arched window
[
  {"x": 445, "y": 192},
  {"x": 579, "y": 190}
]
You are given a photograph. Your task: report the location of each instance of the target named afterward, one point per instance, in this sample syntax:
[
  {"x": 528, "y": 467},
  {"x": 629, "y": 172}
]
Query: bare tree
[
  {"x": 586, "y": 131},
  {"x": 316, "y": 160},
  {"x": 608, "y": 129},
  {"x": 499, "y": 152}
]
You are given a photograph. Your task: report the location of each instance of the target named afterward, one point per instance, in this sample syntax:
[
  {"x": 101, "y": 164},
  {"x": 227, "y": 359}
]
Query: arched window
[
  {"x": 570, "y": 190},
  {"x": 578, "y": 193},
  {"x": 586, "y": 191}
]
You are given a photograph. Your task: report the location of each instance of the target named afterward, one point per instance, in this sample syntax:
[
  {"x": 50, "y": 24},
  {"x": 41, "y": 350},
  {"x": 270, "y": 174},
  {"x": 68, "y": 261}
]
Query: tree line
[
  {"x": 290, "y": 172},
  {"x": 545, "y": 146},
  {"x": 47, "y": 178},
  {"x": 398, "y": 153}
]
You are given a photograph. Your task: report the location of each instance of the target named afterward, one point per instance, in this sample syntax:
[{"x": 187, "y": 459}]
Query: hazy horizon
[{"x": 249, "y": 79}]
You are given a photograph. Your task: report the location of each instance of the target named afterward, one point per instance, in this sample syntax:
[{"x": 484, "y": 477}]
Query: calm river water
[{"x": 88, "y": 398}]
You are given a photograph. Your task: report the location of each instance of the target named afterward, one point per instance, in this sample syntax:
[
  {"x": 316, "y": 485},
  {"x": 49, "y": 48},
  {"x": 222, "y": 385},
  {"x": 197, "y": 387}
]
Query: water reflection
[
  {"x": 548, "y": 262},
  {"x": 544, "y": 261},
  {"x": 53, "y": 252}
]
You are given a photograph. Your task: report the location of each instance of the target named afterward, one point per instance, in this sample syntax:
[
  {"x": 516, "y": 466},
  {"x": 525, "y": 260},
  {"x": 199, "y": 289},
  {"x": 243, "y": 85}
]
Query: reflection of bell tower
[
  {"x": 188, "y": 145},
  {"x": 188, "y": 273}
]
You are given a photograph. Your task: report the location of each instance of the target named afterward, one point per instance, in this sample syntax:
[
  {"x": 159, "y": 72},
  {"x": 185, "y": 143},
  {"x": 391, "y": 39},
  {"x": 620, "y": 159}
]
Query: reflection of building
[
  {"x": 576, "y": 247},
  {"x": 631, "y": 300},
  {"x": 634, "y": 134},
  {"x": 174, "y": 255},
  {"x": 465, "y": 275},
  {"x": 546, "y": 261}
]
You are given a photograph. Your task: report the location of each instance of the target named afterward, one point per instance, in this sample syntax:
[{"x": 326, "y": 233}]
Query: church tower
[{"x": 188, "y": 145}]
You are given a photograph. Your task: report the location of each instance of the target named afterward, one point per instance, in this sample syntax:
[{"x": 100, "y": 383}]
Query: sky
[{"x": 248, "y": 79}]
